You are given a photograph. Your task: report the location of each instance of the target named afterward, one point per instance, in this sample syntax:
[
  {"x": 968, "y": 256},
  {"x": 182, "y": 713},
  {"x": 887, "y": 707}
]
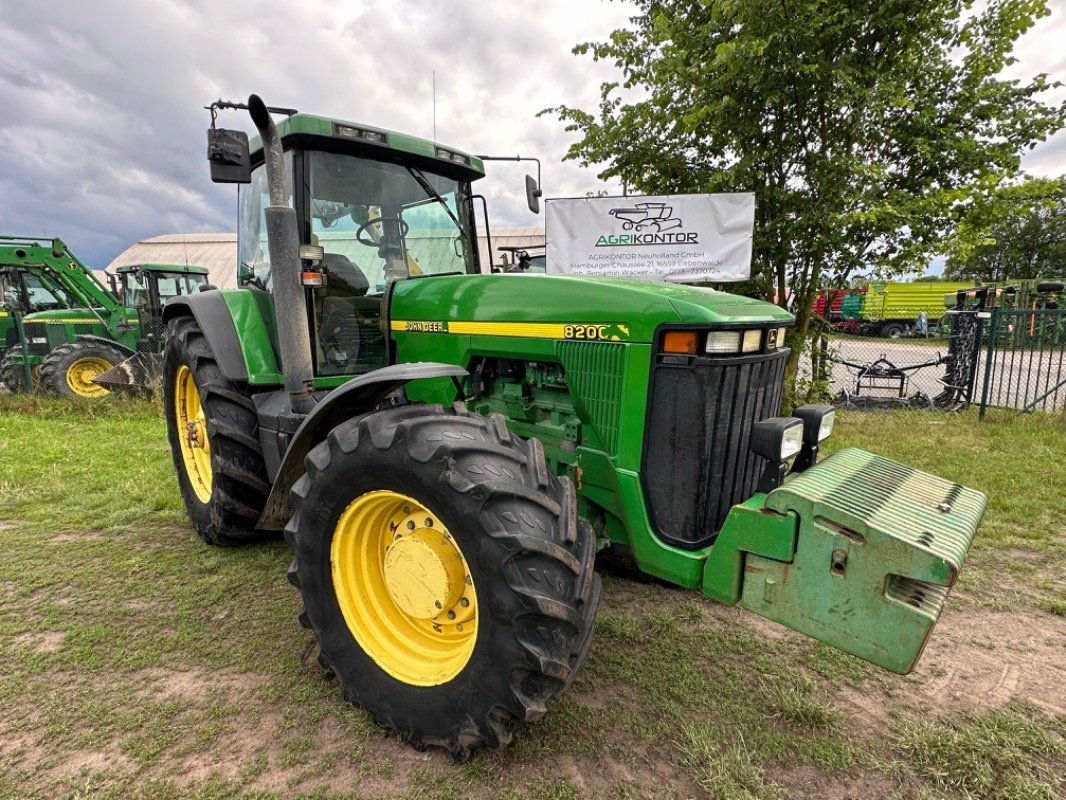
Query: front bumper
[{"x": 858, "y": 551}]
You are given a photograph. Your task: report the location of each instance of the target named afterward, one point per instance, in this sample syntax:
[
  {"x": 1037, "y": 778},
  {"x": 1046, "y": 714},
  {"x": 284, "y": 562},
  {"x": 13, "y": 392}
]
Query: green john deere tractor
[
  {"x": 24, "y": 289},
  {"x": 447, "y": 450},
  {"x": 76, "y": 329}
]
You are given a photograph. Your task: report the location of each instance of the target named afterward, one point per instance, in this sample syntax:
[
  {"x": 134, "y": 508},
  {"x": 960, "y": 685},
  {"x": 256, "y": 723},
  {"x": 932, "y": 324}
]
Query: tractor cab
[
  {"x": 145, "y": 288},
  {"x": 373, "y": 207},
  {"x": 29, "y": 292},
  {"x": 151, "y": 285}
]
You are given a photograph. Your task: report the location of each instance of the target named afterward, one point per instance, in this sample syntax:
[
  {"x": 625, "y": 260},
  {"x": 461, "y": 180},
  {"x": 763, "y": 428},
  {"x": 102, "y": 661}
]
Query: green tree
[
  {"x": 1019, "y": 233},
  {"x": 861, "y": 127}
]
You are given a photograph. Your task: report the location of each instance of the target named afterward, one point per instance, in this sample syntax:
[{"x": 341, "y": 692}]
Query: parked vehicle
[
  {"x": 893, "y": 310},
  {"x": 77, "y": 329},
  {"x": 447, "y": 450}
]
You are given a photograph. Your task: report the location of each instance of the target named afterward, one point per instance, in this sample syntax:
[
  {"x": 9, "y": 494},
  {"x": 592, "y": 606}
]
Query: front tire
[
  {"x": 11, "y": 373},
  {"x": 444, "y": 573},
  {"x": 212, "y": 430},
  {"x": 68, "y": 371}
]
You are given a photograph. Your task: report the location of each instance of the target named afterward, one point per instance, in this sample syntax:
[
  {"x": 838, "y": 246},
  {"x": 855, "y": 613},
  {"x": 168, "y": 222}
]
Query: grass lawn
[{"x": 138, "y": 662}]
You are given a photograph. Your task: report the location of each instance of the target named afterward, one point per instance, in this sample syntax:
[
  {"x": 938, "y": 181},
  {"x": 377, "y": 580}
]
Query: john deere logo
[{"x": 652, "y": 223}]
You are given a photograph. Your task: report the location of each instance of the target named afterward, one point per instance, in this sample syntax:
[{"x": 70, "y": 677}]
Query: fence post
[{"x": 993, "y": 334}]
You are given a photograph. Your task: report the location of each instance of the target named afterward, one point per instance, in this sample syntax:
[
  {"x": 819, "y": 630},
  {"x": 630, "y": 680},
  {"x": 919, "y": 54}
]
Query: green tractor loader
[
  {"x": 76, "y": 329},
  {"x": 25, "y": 290},
  {"x": 447, "y": 450}
]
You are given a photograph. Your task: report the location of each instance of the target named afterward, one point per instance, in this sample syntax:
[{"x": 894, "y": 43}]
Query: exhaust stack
[{"x": 294, "y": 338}]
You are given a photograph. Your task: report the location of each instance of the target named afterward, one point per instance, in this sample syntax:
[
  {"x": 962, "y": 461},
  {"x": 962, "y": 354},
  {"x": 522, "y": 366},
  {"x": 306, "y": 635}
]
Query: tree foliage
[
  {"x": 861, "y": 127},
  {"x": 1019, "y": 233}
]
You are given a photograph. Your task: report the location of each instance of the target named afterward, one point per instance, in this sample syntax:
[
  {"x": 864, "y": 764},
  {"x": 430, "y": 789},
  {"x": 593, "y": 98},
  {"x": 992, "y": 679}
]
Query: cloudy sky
[{"x": 102, "y": 129}]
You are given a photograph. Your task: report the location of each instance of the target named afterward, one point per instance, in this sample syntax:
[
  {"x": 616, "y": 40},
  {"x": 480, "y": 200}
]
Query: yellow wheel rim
[
  {"x": 404, "y": 588},
  {"x": 80, "y": 376},
  {"x": 192, "y": 433}
]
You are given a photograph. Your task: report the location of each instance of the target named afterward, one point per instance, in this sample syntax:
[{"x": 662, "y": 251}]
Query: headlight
[
  {"x": 817, "y": 426},
  {"x": 817, "y": 422},
  {"x": 749, "y": 341},
  {"x": 723, "y": 342},
  {"x": 777, "y": 439}
]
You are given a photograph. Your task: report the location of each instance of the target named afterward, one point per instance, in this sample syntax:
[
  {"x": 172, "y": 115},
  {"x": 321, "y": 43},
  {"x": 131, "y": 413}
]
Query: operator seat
[{"x": 343, "y": 278}]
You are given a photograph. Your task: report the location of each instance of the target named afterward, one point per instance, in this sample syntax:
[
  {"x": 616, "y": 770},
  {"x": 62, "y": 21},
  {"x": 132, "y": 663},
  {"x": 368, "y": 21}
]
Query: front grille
[{"x": 697, "y": 462}]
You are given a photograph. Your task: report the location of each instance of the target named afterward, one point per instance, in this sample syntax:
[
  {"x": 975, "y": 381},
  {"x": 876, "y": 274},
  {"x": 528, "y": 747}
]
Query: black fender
[
  {"x": 216, "y": 322},
  {"x": 355, "y": 398},
  {"x": 90, "y": 337}
]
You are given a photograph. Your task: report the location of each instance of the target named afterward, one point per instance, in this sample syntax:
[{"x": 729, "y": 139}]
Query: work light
[
  {"x": 817, "y": 427},
  {"x": 817, "y": 422},
  {"x": 777, "y": 439}
]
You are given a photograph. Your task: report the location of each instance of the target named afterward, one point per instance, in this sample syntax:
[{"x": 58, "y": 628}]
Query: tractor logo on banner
[
  {"x": 695, "y": 238},
  {"x": 656, "y": 217}
]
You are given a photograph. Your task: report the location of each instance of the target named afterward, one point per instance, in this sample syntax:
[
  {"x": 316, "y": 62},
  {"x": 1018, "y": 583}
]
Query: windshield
[
  {"x": 388, "y": 221},
  {"x": 44, "y": 296},
  {"x": 172, "y": 284},
  {"x": 376, "y": 222},
  {"x": 253, "y": 253},
  {"x": 136, "y": 292}
]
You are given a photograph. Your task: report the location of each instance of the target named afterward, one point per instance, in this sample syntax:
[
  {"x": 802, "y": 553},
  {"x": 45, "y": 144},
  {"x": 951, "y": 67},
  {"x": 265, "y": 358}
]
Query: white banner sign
[{"x": 677, "y": 238}]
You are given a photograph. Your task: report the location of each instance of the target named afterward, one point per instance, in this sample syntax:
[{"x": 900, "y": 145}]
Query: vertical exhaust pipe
[{"x": 283, "y": 239}]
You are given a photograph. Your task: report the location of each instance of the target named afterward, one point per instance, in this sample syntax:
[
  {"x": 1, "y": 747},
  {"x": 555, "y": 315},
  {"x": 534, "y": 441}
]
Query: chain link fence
[{"x": 1006, "y": 358}]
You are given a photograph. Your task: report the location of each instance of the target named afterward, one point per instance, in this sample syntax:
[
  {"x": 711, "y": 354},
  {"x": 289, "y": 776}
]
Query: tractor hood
[
  {"x": 631, "y": 309},
  {"x": 75, "y": 316}
]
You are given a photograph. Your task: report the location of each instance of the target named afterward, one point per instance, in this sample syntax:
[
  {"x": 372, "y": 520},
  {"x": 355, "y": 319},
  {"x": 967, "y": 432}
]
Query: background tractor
[
  {"x": 75, "y": 328},
  {"x": 447, "y": 450}
]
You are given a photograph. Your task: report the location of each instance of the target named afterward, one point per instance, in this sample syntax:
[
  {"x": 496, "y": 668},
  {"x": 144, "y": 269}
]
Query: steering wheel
[{"x": 374, "y": 221}]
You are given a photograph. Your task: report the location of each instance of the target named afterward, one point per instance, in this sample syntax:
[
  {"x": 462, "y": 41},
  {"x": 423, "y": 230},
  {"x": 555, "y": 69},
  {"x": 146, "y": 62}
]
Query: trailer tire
[
  {"x": 212, "y": 430},
  {"x": 477, "y": 510},
  {"x": 11, "y": 374},
  {"x": 68, "y": 371},
  {"x": 892, "y": 330}
]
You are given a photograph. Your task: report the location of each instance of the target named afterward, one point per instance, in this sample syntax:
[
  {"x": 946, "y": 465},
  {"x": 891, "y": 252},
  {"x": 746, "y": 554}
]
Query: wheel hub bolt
[{"x": 194, "y": 433}]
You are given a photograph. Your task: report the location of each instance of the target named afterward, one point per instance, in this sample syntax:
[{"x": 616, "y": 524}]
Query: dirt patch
[
  {"x": 976, "y": 661},
  {"x": 109, "y": 761},
  {"x": 193, "y": 686},
  {"x": 807, "y": 781},
  {"x": 1025, "y": 556},
  {"x": 77, "y": 536},
  {"x": 41, "y": 641}
]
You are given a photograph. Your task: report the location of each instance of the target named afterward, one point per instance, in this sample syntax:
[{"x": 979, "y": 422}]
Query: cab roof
[
  {"x": 189, "y": 269},
  {"x": 360, "y": 139}
]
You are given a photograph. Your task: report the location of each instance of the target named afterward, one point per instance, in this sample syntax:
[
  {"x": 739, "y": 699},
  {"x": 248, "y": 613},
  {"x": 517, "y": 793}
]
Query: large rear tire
[
  {"x": 68, "y": 371},
  {"x": 444, "y": 572},
  {"x": 212, "y": 429}
]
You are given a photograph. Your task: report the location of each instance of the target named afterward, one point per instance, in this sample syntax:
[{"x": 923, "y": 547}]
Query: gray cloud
[{"x": 102, "y": 136}]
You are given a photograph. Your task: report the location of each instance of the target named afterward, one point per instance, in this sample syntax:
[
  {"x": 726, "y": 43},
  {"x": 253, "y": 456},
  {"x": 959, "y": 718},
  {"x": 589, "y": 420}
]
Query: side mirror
[
  {"x": 228, "y": 154},
  {"x": 533, "y": 194}
]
